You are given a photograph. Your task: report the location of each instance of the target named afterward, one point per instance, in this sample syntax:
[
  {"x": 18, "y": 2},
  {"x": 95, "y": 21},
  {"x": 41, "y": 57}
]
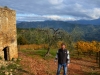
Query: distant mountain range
[
  {"x": 91, "y": 22},
  {"x": 88, "y": 29},
  {"x": 46, "y": 24},
  {"x": 83, "y": 22},
  {"x": 66, "y": 25}
]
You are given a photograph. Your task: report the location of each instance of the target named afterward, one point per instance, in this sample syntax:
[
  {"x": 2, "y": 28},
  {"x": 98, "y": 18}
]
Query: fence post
[{"x": 99, "y": 59}]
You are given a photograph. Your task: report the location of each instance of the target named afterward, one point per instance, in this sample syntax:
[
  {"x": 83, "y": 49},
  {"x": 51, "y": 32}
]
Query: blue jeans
[{"x": 64, "y": 69}]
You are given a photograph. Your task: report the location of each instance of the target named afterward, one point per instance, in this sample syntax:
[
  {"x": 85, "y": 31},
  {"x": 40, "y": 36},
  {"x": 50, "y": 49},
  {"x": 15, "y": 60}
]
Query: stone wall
[{"x": 8, "y": 33}]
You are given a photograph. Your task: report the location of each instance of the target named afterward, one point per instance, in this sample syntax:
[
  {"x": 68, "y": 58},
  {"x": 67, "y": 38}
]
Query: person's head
[{"x": 63, "y": 46}]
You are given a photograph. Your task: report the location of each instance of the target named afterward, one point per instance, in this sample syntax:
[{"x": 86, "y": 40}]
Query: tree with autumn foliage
[{"x": 90, "y": 48}]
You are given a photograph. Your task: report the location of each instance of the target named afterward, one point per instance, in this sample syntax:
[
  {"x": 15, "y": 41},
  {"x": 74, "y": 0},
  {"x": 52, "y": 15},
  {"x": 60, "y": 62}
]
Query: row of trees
[
  {"x": 84, "y": 46},
  {"x": 89, "y": 48},
  {"x": 48, "y": 36}
]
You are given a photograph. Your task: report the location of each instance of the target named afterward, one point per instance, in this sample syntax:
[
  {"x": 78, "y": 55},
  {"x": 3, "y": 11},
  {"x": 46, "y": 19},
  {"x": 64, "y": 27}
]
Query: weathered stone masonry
[{"x": 8, "y": 39}]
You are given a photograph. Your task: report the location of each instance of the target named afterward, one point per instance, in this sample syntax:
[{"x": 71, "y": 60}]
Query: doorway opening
[{"x": 6, "y": 53}]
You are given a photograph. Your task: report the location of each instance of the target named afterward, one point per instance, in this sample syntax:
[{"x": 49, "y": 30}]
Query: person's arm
[
  {"x": 68, "y": 57},
  {"x": 56, "y": 57}
]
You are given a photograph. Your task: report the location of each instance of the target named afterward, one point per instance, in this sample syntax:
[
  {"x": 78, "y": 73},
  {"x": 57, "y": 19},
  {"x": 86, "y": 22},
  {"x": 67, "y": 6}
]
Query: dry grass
[{"x": 32, "y": 47}]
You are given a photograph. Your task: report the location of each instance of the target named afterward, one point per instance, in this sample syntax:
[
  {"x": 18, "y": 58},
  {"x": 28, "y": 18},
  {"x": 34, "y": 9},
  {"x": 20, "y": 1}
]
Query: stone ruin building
[{"x": 8, "y": 38}]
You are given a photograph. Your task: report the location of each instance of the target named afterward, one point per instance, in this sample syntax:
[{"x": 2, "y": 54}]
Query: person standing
[{"x": 63, "y": 58}]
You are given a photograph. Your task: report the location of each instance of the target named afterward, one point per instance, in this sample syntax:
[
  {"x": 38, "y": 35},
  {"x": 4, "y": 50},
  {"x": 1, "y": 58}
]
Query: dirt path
[{"x": 38, "y": 66}]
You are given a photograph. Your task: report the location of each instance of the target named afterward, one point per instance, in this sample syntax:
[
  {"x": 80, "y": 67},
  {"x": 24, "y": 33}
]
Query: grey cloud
[{"x": 88, "y": 9}]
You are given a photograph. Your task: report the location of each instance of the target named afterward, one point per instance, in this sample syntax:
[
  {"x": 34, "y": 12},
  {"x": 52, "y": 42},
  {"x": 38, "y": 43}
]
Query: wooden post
[
  {"x": 97, "y": 56},
  {"x": 99, "y": 59}
]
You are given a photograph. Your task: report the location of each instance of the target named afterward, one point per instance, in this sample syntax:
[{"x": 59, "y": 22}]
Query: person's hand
[
  {"x": 55, "y": 62},
  {"x": 68, "y": 65}
]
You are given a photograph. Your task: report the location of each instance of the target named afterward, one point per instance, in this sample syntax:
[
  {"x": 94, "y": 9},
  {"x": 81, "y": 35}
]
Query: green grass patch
[
  {"x": 12, "y": 66},
  {"x": 40, "y": 53},
  {"x": 2, "y": 67},
  {"x": 1, "y": 73}
]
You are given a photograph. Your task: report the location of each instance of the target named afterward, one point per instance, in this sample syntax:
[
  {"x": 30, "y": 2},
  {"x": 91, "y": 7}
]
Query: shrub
[
  {"x": 22, "y": 41},
  {"x": 12, "y": 66},
  {"x": 2, "y": 67}
]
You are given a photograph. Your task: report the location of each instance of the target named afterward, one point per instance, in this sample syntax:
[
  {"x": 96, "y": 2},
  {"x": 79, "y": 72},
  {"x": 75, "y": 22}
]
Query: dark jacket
[{"x": 63, "y": 56}]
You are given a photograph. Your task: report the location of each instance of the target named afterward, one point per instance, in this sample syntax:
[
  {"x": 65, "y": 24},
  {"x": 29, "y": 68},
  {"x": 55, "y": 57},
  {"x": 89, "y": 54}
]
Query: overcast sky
[{"x": 38, "y": 10}]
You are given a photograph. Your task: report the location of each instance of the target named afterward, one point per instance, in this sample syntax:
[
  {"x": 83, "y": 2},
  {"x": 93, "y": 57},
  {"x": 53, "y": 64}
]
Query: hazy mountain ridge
[
  {"x": 85, "y": 22},
  {"x": 50, "y": 24},
  {"x": 88, "y": 32},
  {"x": 82, "y": 22}
]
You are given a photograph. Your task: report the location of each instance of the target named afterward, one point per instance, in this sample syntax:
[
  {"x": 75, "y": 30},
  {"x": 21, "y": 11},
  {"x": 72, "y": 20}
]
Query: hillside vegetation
[{"x": 87, "y": 32}]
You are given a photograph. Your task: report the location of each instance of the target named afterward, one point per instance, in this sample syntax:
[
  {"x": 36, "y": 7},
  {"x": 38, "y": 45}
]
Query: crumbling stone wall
[{"x": 8, "y": 39}]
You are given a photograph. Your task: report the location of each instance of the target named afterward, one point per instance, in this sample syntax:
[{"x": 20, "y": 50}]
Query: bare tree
[{"x": 53, "y": 36}]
